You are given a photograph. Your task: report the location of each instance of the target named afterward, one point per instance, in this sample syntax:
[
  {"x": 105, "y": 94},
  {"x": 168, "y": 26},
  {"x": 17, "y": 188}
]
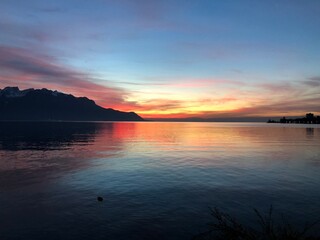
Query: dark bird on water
[{"x": 100, "y": 199}]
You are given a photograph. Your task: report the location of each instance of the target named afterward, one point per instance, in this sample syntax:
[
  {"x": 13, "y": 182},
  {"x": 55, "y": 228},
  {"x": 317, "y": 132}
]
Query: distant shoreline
[
  {"x": 144, "y": 121},
  {"x": 308, "y": 119}
]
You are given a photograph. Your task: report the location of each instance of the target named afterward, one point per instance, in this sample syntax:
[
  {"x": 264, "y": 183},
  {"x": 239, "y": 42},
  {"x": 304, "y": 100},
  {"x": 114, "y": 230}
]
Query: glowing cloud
[{"x": 167, "y": 58}]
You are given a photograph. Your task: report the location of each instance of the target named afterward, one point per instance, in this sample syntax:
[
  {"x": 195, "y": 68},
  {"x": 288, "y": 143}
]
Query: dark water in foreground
[{"x": 157, "y": 179}]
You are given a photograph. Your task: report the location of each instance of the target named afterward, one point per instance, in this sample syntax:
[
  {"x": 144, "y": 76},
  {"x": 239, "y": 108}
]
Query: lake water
[{"x": 158, "y": 180}]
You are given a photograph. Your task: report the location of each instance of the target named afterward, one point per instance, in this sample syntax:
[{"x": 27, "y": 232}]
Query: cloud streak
[
  {"x": 24, "y": 68},
  {"x": 313, "y": 81}
]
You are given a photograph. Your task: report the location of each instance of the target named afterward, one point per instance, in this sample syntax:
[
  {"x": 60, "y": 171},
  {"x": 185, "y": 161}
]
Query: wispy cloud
[
  {"x": 24, "y": 68},
  {"x": 313, "y": 81}
]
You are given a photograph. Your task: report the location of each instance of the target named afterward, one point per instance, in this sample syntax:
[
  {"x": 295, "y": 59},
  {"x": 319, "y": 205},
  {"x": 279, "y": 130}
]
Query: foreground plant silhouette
[{"x": 228, "y": 228}]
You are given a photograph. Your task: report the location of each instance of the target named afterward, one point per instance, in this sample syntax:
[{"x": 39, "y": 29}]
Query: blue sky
[{"x": 168, "y": 58}]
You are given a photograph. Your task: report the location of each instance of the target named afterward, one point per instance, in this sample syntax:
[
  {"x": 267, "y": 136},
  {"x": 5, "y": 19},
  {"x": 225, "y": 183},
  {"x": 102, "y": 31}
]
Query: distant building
[
  {"x": 283, "y": 120},
  {"x": 309, "y": 116},
  {"x": 308, "y": 119}
]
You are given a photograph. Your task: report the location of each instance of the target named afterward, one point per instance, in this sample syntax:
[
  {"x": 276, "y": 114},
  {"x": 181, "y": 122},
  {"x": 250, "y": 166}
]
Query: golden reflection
[{"x": 51, "y": 144}]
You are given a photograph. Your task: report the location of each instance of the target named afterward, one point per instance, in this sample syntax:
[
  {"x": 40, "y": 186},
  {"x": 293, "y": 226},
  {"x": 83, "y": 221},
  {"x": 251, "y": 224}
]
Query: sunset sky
[{"x": 168, "y": 58}]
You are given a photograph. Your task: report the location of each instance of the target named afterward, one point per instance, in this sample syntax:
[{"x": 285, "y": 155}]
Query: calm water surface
[{"x": 158, "y": 180}]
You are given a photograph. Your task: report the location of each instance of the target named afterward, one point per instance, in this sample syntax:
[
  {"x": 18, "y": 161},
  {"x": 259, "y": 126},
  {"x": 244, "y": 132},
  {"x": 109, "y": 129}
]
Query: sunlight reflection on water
[{"x": 158, "y": 179}]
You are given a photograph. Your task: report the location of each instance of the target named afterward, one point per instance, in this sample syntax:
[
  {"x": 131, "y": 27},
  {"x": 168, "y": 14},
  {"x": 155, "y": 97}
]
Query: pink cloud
[{"x": 24, "y": 68}]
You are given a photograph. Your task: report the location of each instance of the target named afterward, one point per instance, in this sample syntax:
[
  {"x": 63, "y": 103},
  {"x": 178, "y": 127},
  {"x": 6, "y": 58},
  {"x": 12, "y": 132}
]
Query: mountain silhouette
[{"x": 47, "y": 105}]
